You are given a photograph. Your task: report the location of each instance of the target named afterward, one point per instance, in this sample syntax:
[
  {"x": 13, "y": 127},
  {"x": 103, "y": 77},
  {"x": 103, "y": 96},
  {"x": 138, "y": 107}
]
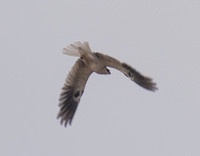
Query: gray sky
[{"x": 161, "y": 39}]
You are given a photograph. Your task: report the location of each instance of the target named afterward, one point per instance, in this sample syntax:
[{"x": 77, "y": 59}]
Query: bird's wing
[
  {"x": 72, "y": 91},
  {"x": 129, "y": 71}
]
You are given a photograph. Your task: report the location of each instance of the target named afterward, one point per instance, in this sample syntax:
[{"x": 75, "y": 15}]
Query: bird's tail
[{"x": 77, "y": 49}]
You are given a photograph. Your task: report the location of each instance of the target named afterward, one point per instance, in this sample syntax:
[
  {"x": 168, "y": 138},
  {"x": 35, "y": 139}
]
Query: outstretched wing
[
  {"x": 130, "y": 72},
  {"x": 72, "y": 91}
]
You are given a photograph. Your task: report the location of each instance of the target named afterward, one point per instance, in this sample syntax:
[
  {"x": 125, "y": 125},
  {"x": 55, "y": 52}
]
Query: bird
[{"x": 91, "y": 62}]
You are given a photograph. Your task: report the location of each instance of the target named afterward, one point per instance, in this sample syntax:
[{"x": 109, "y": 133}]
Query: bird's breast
[
  {"x": 95, "y": 66},
  {"x": 94, "y": 63}
]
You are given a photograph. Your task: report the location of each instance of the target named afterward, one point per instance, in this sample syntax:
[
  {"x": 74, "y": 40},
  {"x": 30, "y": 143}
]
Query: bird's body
[{"x": 88, "y": 63}]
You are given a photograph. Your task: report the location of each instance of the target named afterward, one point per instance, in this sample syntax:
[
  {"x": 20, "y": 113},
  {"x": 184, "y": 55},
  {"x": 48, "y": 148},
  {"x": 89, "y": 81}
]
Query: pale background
[{"x": 115, "y": 117}]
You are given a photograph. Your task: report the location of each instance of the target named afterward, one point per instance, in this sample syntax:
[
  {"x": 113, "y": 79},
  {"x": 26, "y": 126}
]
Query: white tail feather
[{"x": 77, "y": 49}]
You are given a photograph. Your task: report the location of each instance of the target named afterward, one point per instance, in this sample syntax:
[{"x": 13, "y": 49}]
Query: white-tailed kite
[{"x": 88, "y": 63}]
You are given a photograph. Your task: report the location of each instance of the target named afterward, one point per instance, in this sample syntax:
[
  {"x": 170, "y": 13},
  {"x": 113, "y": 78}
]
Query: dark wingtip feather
[
  {"x": 141, "y": 80},
  {"x": 67, "y": 105}
]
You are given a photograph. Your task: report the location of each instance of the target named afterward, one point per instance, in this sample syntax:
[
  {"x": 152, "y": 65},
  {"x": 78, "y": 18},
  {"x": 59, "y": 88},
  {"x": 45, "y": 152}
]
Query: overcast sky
[{"x": 115, "y": 117}]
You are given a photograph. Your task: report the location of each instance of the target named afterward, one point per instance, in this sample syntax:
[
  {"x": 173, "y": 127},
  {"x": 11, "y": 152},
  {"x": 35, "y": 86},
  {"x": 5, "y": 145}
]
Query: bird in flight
[{"x": 88, "y": 63}]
